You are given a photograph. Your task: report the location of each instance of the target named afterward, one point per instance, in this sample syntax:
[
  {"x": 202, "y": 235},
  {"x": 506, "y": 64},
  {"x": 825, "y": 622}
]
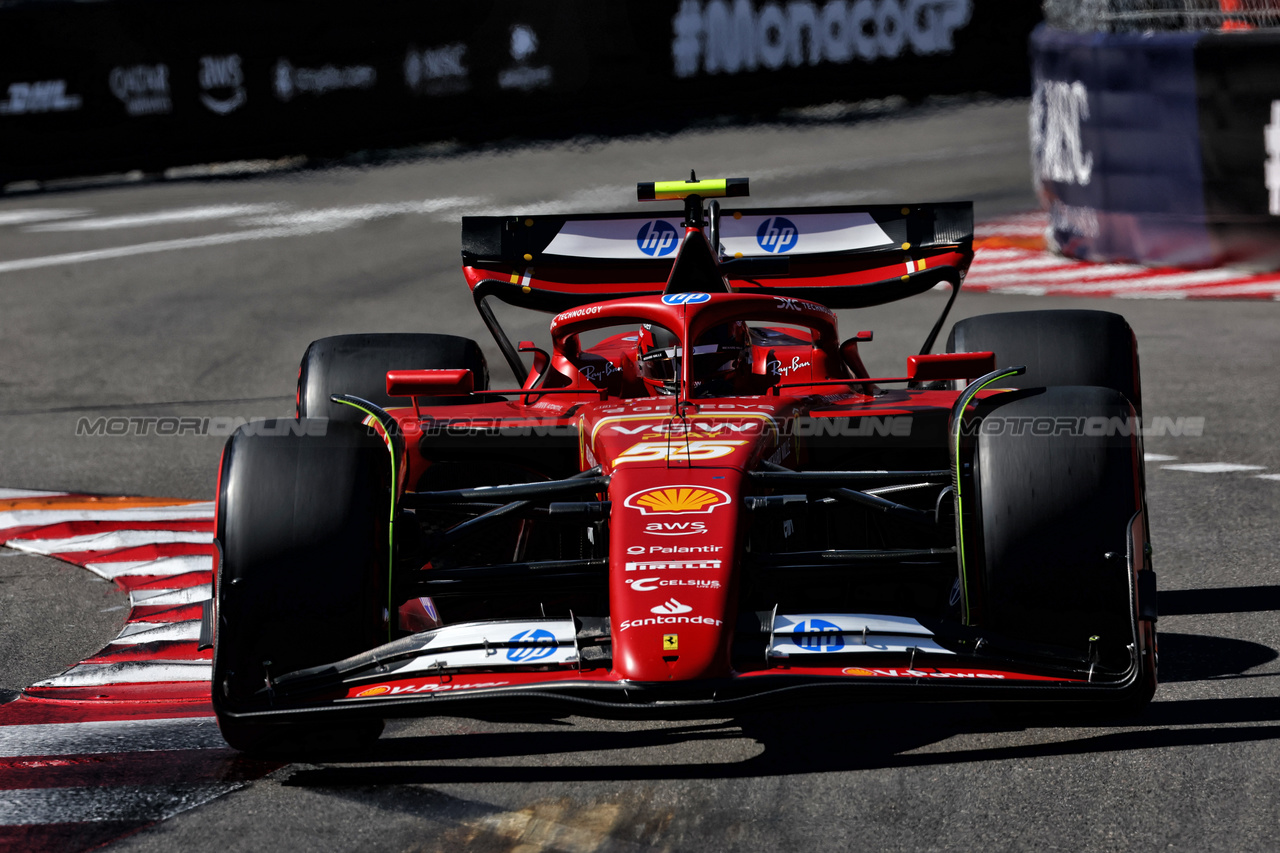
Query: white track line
[
  {"x": 109, "y": 736},
  {"x": 123, "y": 803},
  {"x": 343, "y": 216},
  {"x": 137, "y": 633},
  {"x": 162, "y": 566},
  {"x": 130, "y": 672},
  {"x": 19, "y": 217},
  {"x": 158, "y": 597},
  {"x": 188, "y": 512},
  {"x": 299, "y": 224},
  {"x": 108, "y": 541},
  {"x": 19, "y": 494},
  {"x": 1157, "y": 457},
  {"x": 1212, "y": 467},
  {"x": 161, "y": 246},
  {"x": 159, "y": 217},
  {"x": 1267, "y": 476}
]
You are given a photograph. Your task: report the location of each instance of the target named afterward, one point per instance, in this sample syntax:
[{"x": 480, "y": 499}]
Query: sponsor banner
[
  {"x": 413, "y": 72},
  {"x": 413, "y": 688},
  {"x": 618, "y": 239},
  {"x": 1239, "y": 127},
  {"x": 1115, "y": 147},
  {"x": 496, "y": 644},
  {"x": 800, "y": 234},
  {"x": 946, "y": 673},
  {"x": 845, "y": 633}
]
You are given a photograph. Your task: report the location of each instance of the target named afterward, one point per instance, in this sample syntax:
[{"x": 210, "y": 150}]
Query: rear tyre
[
  {"x": 302, "y": 528},
  {"x": 1053, "y": 518},
  {"x": 358, "y": 365},
  {"x": 1058, "y": 348}
]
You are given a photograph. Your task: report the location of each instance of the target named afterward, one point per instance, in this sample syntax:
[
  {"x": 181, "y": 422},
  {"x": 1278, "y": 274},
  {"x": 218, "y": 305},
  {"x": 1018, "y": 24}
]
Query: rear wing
[{"x": 841, "y": 257}]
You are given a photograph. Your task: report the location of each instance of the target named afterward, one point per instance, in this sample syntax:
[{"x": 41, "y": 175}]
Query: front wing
[{"x": 562, "y": 665}]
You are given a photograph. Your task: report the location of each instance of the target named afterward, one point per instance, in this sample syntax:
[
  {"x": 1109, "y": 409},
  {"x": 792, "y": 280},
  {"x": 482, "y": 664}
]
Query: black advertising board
[
  {"x": 1239, "y": 126},
  {"x": 144, "y": 84}
]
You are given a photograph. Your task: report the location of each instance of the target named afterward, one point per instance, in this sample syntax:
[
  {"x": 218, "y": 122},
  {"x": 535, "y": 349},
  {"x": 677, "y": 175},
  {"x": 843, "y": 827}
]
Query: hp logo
[
  {"x": 818, "y": 635},
  {"x": 657, "y": 238},
  {"x": 685, "y": 298},
  {"x": 535, "y": 644},
  {"x": 777, "y": 234}
]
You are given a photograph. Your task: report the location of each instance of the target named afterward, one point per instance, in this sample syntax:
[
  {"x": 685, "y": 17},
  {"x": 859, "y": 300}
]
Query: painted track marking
[{"x": 1010, "y": 257}]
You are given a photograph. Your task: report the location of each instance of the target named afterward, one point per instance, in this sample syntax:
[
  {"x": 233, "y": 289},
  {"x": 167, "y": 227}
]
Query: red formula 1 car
[{"x": 698, "y": 501}]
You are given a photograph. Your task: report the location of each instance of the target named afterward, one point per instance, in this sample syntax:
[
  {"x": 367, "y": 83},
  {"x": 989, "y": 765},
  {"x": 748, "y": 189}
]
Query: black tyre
[
  {"x": 1058, "y": 348},
  {"x": 358, "y": 364},
  {"x": 302, "y": 529},
  {"x": 1057, "y": 491}
]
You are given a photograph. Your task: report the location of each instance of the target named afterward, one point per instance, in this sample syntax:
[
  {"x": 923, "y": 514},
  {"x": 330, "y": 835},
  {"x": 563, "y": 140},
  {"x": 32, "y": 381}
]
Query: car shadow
[
  {"x": 835, "y": 739},
  {"x": 1232, "y": 599}
]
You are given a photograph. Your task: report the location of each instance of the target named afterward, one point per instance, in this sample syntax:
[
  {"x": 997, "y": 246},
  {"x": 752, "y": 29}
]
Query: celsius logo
[
  {"x": 535, "y": 644},
  {"x": 657, "y": 238},
  {"x": 685, "y": 298},
  {"x": 777, "y": 234},
  {"x": 819, "y": 636}
]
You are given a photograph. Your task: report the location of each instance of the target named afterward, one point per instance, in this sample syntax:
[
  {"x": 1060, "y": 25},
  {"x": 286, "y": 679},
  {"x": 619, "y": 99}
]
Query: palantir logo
[
  {"x": 657, "y": 238},
  {"x": 777, "y": 234},
  {"x": 534, "y": 644},
  {"x": 818, "y": 635}
]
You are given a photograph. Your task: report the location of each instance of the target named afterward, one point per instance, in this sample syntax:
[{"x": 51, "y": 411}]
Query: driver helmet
[{"x": 716, "y": 357}]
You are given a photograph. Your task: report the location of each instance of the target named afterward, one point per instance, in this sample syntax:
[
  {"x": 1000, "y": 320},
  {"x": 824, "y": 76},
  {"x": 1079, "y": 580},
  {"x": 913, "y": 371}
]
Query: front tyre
[
  {"x": 1059, "y": 500},
  {"x": 302, "y": 577}
]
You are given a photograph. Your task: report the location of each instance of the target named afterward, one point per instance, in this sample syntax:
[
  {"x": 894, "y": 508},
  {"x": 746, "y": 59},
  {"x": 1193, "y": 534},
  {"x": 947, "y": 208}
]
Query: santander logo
[{"x": 671, "y": 608}]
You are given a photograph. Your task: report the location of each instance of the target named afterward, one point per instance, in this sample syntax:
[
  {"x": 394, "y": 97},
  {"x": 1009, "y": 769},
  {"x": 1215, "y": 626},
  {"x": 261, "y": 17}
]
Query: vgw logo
[
  {"x": 777, "y": 234},
  {"x": 535, "y": 644},
  {"x": 657, "y": 238},
  {"x": 818, "y": 635}
]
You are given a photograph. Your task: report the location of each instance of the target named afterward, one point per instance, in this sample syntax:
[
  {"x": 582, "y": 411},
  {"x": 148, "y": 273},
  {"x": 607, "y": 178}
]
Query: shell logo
[
  {"x": 374, "y": 691},
  {"x": 853, "y": 670},
  {"x": 678, "y": 500}
]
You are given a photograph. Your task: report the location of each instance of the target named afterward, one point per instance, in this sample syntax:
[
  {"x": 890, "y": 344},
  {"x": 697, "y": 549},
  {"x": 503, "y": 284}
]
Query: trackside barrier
[
  {"x": 1161, "y": 148},
  {"x": 89, "y": 88}
]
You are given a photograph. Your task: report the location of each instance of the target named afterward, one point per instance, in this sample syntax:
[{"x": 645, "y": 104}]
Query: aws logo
[{"x": 678, "y": 500}]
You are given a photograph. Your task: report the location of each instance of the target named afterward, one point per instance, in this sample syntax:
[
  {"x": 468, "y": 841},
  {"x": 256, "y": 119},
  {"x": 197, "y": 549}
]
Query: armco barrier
[
  {"x": 1154, "y": 147},
  {"x": 87, "y": 88}
]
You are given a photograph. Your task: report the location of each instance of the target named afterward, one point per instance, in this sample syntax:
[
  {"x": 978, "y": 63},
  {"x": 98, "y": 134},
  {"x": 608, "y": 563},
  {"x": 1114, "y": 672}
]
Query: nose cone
[{"x": 673, "y": 543}]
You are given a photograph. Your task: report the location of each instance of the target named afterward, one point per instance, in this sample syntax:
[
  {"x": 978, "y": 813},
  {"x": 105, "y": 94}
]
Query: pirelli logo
[{"x": 659, "y": 565}]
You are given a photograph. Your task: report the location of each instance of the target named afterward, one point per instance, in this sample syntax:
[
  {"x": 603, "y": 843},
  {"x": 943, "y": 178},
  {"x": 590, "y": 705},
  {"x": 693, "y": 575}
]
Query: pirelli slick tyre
[
  {"x": 302, "y": 574},
  {"x": 1058, "y": 486},
  {"x": 358, "y": 365},
  {"x": 1058, "y": 348}
]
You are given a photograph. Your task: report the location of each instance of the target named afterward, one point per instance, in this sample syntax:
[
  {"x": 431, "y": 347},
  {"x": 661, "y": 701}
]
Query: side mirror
[
  {"x": 950, "y": 365},
  {"x": 430, "y": 383}
]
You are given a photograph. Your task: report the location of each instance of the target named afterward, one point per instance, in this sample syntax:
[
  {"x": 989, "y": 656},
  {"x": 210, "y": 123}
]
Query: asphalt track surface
[{"x": 210, "y": 316}]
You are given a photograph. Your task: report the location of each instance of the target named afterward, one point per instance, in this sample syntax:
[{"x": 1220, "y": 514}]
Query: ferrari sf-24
[{"x": 697, "y": 501}]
